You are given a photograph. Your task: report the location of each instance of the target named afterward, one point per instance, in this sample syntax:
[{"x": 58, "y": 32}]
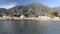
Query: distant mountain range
[
  {"x": 30, "y": 9},
  {"x": 3, "y": 10}
]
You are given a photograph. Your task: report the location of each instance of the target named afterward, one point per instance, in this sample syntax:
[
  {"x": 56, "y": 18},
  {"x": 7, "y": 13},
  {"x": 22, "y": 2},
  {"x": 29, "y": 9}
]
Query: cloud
[{"x": 7, "y": 6}]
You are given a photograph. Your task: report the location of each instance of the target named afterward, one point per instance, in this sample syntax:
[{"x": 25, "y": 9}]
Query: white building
[
  {"x": 56, "y": 17},
  {"x": 4, "y": 16},
  {"x": 44, "y": 17},
  {"x": 22, "y": 16},
  {"x": 8, "y": 17}
]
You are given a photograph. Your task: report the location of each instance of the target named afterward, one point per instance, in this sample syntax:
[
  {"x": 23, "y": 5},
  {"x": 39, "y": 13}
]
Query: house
[
  {"x": 59, "y": 15},
  {"x": 56, "y": 17},
  {"x": 4, "y": 16},
  {"x": 44, "y": 17},
  {"x": 8, "y": 17},
  {"x": 22, "y": 16}
]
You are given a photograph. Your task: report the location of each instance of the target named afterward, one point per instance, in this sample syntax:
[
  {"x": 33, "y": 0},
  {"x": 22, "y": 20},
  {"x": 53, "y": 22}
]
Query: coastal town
[
  {"x": 52, "y": 15},
  {"x": 5, "y": 17}
]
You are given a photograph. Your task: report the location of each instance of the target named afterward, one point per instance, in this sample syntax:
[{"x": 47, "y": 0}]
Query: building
[
  {"x": 4, "y": 16},
  {"x": 56, "y": 17},
  {"x": 22, "y": 16},
  {"x": 44, "y": 17}
]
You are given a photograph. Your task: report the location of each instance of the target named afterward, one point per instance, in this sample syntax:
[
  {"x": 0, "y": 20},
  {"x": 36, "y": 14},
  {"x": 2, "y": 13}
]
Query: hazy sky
[{"x": 11, "y": 3}]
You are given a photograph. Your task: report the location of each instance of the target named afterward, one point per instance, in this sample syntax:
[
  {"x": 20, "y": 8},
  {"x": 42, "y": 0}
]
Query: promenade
[{"x": 18, "y": 18}]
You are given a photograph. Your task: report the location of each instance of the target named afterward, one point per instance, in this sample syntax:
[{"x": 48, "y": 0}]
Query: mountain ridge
[{"x": 30, "y": 9}]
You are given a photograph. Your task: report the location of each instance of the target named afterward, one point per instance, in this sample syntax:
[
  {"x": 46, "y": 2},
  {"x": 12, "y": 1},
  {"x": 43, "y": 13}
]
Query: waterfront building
[
  {"x": 22, "y": 16},
  {"x": 56, "y": 17},
  {"x": 4, "y": 16},
  {"x": 43, "y": 17}
]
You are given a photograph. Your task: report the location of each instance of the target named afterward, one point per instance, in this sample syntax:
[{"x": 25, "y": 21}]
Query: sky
[{"x": 11, "y": 3}]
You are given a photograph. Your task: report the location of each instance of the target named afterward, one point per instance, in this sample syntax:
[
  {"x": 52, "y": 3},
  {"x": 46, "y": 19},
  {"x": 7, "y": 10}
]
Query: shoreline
[{"x": 18, "y": 18}]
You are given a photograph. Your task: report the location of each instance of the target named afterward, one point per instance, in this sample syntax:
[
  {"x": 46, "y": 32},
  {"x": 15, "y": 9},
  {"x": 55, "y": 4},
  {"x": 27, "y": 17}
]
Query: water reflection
[{"x": 22, "y": 27}]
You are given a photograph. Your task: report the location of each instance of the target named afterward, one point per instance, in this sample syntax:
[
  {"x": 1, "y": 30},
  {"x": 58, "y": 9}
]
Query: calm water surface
[{"x": 29, "y": 27}]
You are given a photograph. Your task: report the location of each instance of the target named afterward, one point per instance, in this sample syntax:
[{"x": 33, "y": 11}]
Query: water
[{"x": 29, "y": 27}]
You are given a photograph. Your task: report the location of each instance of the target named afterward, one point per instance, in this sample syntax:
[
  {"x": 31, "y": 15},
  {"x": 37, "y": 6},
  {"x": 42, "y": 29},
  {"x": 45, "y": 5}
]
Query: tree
[
  {"x": 1, "y": 15},
  {"x": 53, "y": 13}
]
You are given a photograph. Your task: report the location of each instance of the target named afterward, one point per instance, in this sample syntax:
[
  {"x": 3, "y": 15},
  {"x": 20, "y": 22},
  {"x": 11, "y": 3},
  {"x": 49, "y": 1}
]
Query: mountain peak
[{"x": 36, "y": 3}]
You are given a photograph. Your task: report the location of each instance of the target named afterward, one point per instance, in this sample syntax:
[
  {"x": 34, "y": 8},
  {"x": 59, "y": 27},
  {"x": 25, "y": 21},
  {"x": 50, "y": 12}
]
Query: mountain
[
  {"x": 57, "y": 9},
  {"x": 30, "y": 9},
  {"x": 3, "y": 10},
  {"x": 33, "y": 9}
]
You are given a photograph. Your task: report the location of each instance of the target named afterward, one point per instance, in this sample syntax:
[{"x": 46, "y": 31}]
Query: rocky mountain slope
[{"x": 29, "y": 9}]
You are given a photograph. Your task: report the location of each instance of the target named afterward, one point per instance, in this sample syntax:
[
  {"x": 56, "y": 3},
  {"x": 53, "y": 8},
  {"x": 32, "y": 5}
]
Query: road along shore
[{"x": 18, "y": 18}]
